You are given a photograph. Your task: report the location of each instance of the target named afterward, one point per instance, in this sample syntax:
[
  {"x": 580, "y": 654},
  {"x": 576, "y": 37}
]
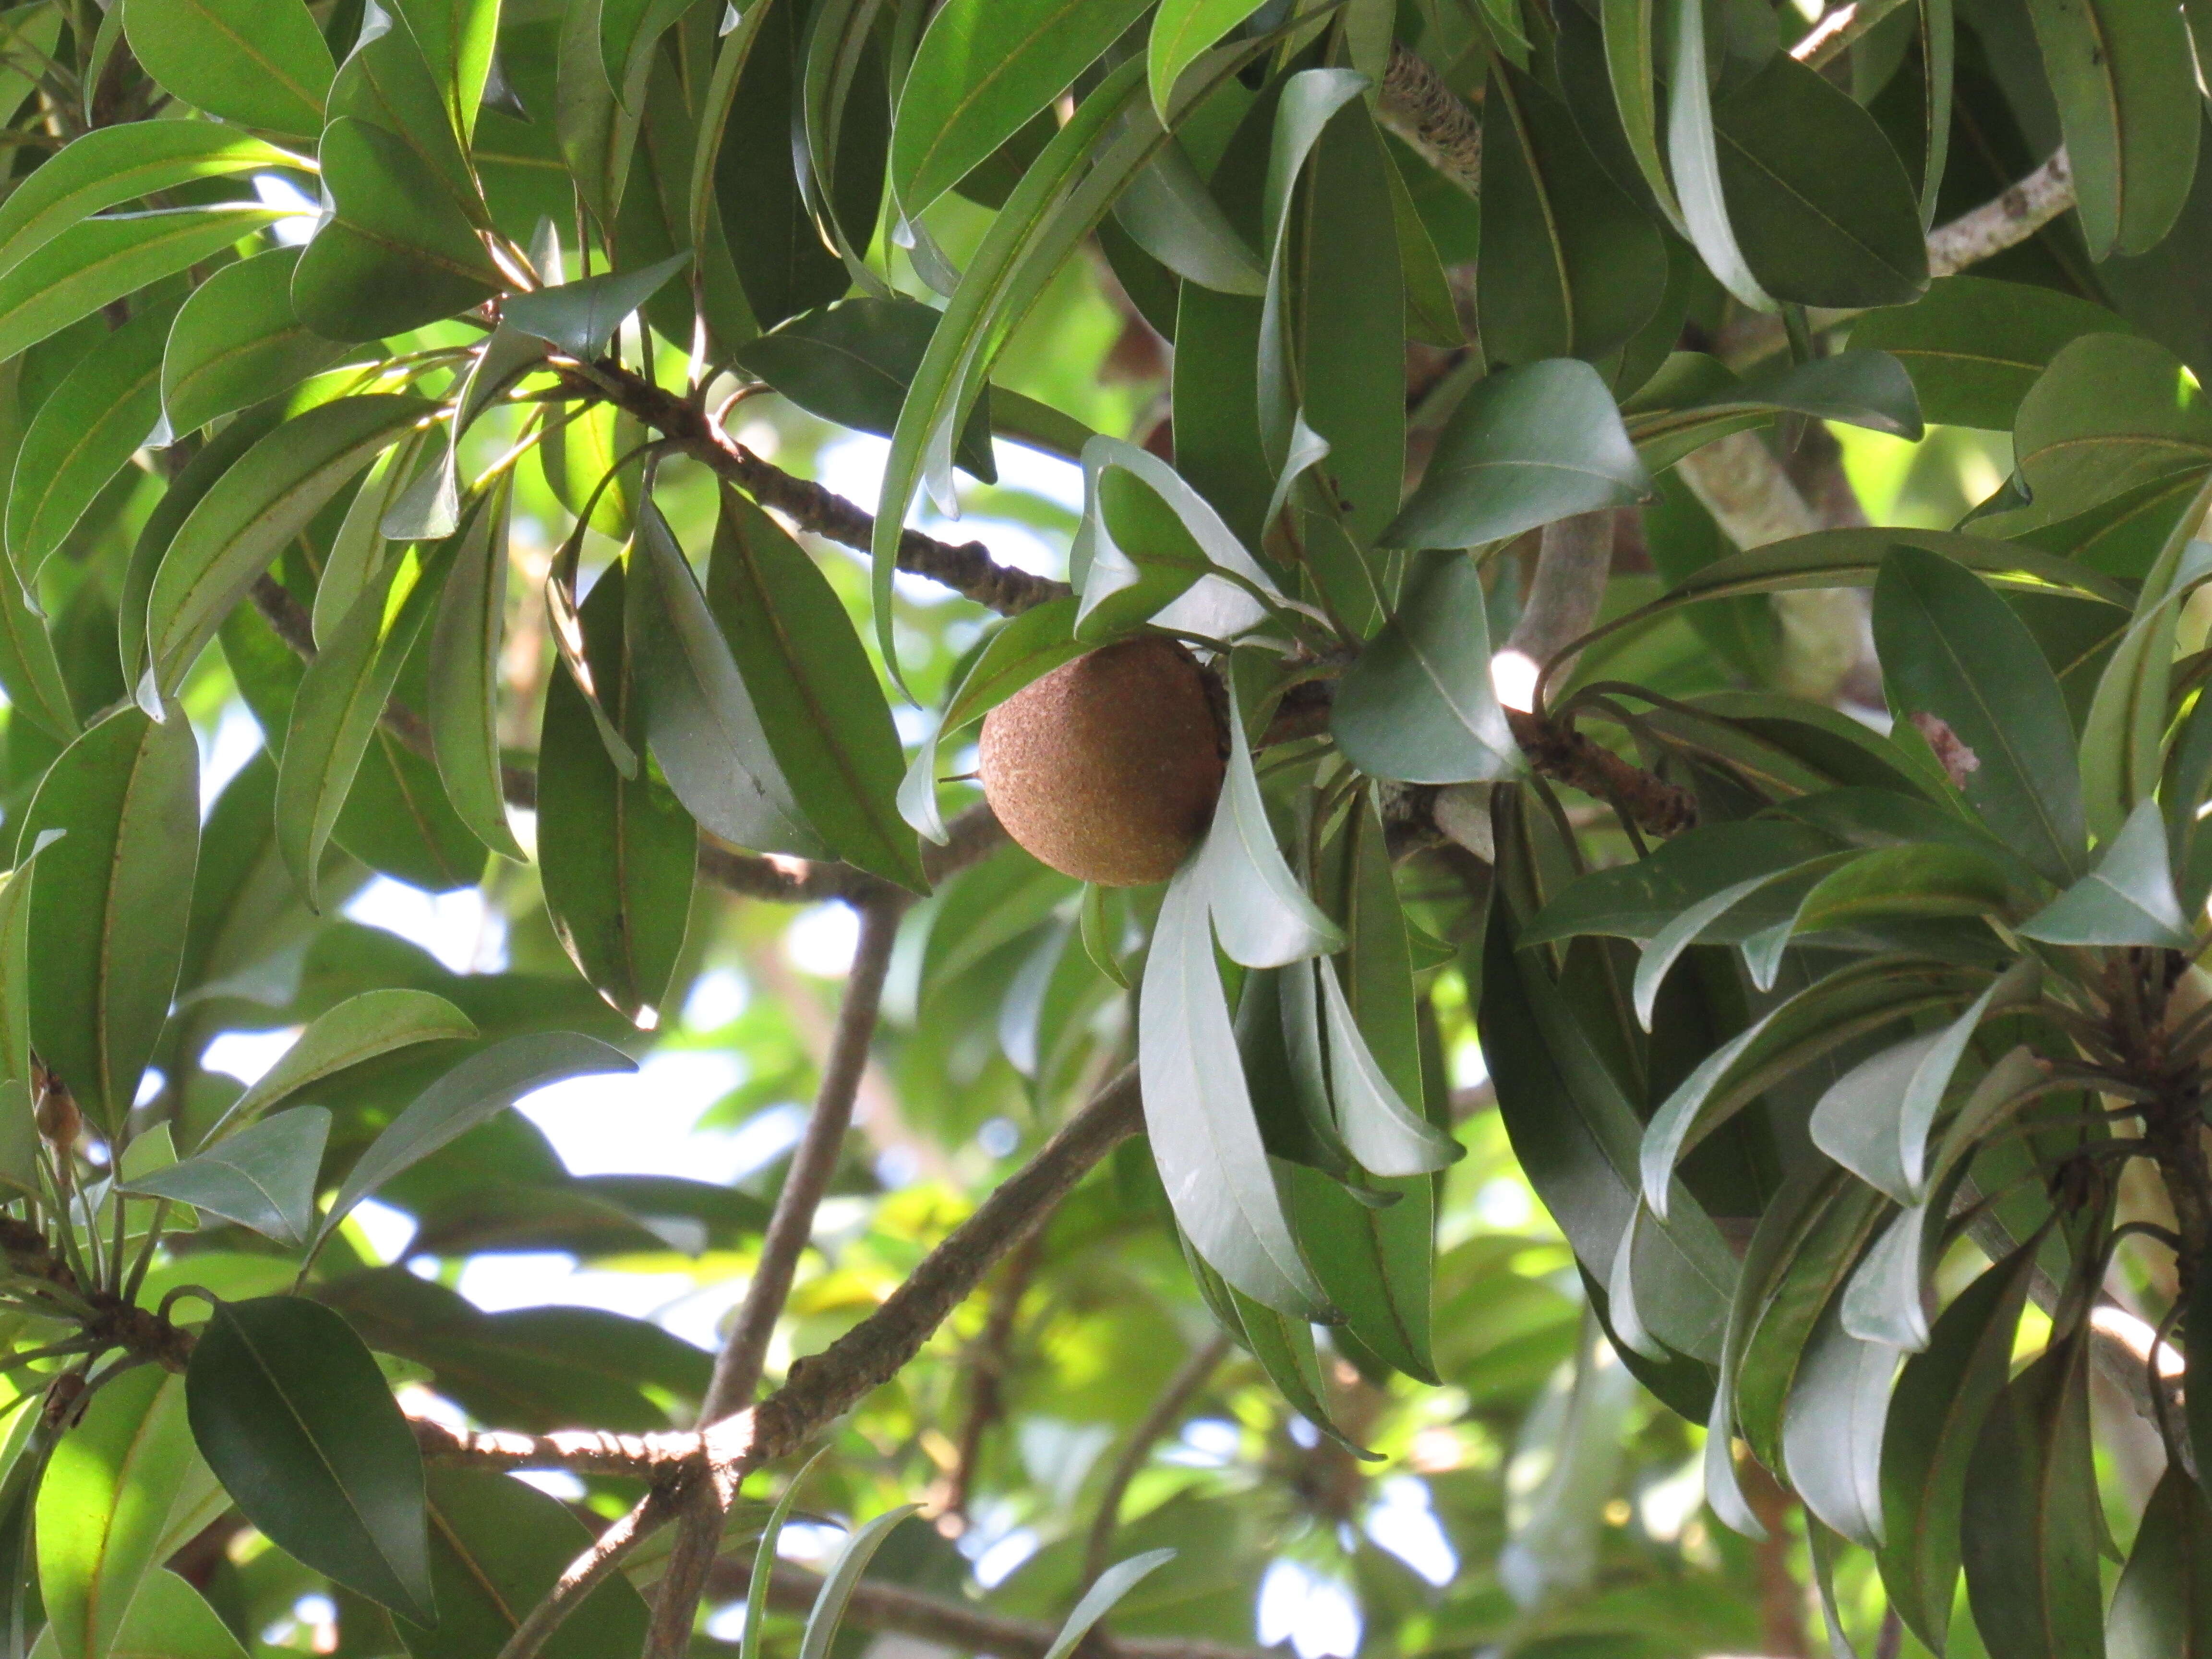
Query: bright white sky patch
[
  {"x": 458, "y": 928},
  {"x": 821, "y": 940},
  {"x": 248, "y": 1055},
  {"x": 1404, "y": 1522},
  {"x": 1314, "y": 1615}
]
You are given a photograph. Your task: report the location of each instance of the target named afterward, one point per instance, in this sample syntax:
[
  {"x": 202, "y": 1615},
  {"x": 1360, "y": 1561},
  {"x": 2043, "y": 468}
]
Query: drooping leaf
[
  {"x": 2128, "y": 899},
  {"x": 236, "y": 341},
  {"x": 813, "y": 689},
  {"x": 1527, "y": 446},
  {"x": 1182, "y": 32},
  {"x": 464, "y": 673},
  {"x": 479, "y": 1088},
  {"x": 109, "y": 901},
  {"x": 102, "y": 1507},
  {"x": 256, "y": 62},
  {"x": 294, "y": 1418},
  {"x": 2162, "y": 1607},
  {"x": 1418, "y": 706},
  {"x": 843, "y": 1578},
  {"x": 263, "y": 1178},
  {"x": 699, "y": 716}
]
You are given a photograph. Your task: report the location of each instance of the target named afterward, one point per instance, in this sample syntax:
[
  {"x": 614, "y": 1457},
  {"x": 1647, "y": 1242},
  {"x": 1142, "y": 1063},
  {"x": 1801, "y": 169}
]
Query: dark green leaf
[
  {"x": 464, "y": 674},
  {"x": 255, "y": 63},
  {"x": 2111, "y": 414},
  {"x": 2128, "y": 899},
  {"x": 1974, "y": 347},
  {"x": 262, "y": 1177},
  {"x": 2162, "y": 1609},
  {"x": 294, "y": 1418},
  {"x": 580, "y": 318},
  {"x": 236, "y": 343},
  {"x": 109, "y": 901},
  {"x": 813, "y": 689},
  {"x": 1963, "y": 669},
  {"x": 1525, "y": 446},
  {"x": 1419, "y": 707}
]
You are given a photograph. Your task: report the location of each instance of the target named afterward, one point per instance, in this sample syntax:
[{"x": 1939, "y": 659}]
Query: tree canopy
[{"x": 1662, "y": 1107}]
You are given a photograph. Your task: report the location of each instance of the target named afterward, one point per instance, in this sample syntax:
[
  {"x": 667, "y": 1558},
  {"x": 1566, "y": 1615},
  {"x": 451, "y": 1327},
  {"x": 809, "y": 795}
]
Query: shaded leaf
[
  {"x": 1419, "y": 707},
  {"x": 580, "y": 318},
  {"x": 2128, "y": 899},
  {"x": 262, "y": 1177}
]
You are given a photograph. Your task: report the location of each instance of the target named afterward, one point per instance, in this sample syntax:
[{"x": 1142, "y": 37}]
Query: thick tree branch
[
  {"x": 1431, "y": 120},
  {"x": 2009, "y": 220},
  {"x": 968, "y": 569},
  {"x": 1574, "y": 561},
  {"x": 1166, "y": 1412},
  {"x": 880, "y": 1605}
]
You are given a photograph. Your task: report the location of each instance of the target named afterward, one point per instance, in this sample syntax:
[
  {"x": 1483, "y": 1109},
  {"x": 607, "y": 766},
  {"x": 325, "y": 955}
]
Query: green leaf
[
  {"x": 1953, "y": 652},
  {"x": 1631, "y": 58},
  {"x": 1419, "y": 707},
  {"x": 2128, "y": 106},
  {"x": 112, "y": 165},
  {"x": 615, "y": 856},
  {"x": 464, "y": 673},
  {"x": 2031, "y": 1524},
  {"x": 236, "y": 342},
  {"x": 262, "y": 1177},
  {"x": 1382, "y": 1131},
  {"x": 1526, "y": 446},
  {"x": 2162, "y": 1608},
  {"x": 1831, "y": 1429},
  {"x": 294, "y": 1418},
  {"x": 457, "y": 39},
  {"x": 1111, "y": 1585},
  {"x": 250, "y": 513},
  {"x": 399, "y": 253},
  {"x": 478, "y": 1088},
  {"x": 96, "y": 262},
  {"x": 580, "y": 318},
  {"x": 2113, "y": 413},
  {"x": 340, "y": 701},
  {"x": 83, "y": 434},
  {"x": 1570, "y": 267},
  {"x": 252, "y": 63},
  {"x": 1694, "y": 399},
  {"x": 496, "y": 1548},
  {"x": 1693, "y": 153},
  {"x": 359, "y": 1029},
  {"x": 109, "y": 901},
  {"x": 699, "y": 716},
  {"x": 1182, "y": 32},
  {"x": 1975, "y": 347},
  {"x": 838, "y": 1584},
  {"x": 1362, "y": 1258},
  {"x": 1643, "y": 899},
  {"x": 1171, "y": 214},
  {"x": 102, "y": 1507},
  {"x": 1821, "y": 204},
  {"x": 1198, "y": 1113},
  {"x": 167, "y": 1619},
  {"x": 983, "y": 68},
  {"x": 852, "y": 362},
  {"x": 813, "y": 689},
  {"x": 764, "y": 1559},
  {"x": 2128, "y": 899},
  {"x": 1152, "y": 549},
  {"x": 30, "y": 672}
]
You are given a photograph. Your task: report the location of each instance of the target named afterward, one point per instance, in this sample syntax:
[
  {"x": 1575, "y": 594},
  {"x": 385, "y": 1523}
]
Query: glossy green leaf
[
  {"x": 1198, "y": 1113},
  {"x": 388, "y": 85},
  {"x": 1182, "y": 32},
  {"x": 294, "y": 1417},
  {"x": 2162, "y": 1607},
  {"x": 102, "y": 1506},
  {"x": 2128, "y": 106},
  {"x": 983, "y": 68},
  {"x": 1693, "y": 153},
  {"x": 699, "y": 716},
  {"x": 84, "y": 433},
  {"x": 398, "y": 253},
  {"x": 263, "y": 1178},
  {"x": 167, "y": 1619},
  {"x": 1419, "y": 707},
  {"x": 1974, "y": 347},
  {"x": 1383, "y": 1132},
  {"x": 1362, "y": 1256},
  {"x": 254, "y": 63},
  {"x": 464, "y": 676},
  {"x": 1570, "y": 267},
  {"x": 2030, "y": 1527},
  {"x": 252, "y": 510},
  {"x": 457, "y": 40},
  {"x": 1832, "y": 1429},
  {"x": 813, "y": 689},
  {"x": 1957, "y": 659},
  {"x": 1150, "y": 549},
  {"x": 236, "y": 342},
  {"x": 1171, "y": 214},
  {"x": 1526, "y": 446},
  {"x": 1633, "y": 47},
  {"x": 496, "y": 1547},
  {"x": 340, "y": 701},
  {"x": 112, "y": 165},
  {"x": 110, "y": 901},
  {"x": 96, "y": 262},
  {"x": 852, "y": 362},
  {"x": 580, "y": 318},
  {"x": 2129, "y": 898},
  {"x": 615, "y": 855},
  {"x": 479, "y": 1088},
  {"x": 1820, "y": 205}
]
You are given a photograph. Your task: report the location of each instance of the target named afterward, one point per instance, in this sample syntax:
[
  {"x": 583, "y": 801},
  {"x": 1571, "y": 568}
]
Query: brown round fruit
[{"x": 1107, "y": 767}]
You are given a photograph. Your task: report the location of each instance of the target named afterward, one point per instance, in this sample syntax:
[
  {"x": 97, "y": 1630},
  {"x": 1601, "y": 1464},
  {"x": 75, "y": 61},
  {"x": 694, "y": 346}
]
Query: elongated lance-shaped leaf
[
  {"x": 1387, "y": 1136},
  {"x": 2162, "y": 1606},
  {"x": 1632, "y": 60},
  {"x": 1198, "y": 1111},
  {"x": 580, "y": 318},
  {"x": 1232, "y": 589},
  {"x": 359, "y": 1029},
  {"x": 1117, "y": 1582},
  {"x": 1667, "y": 945},
  {"x": 756, "y": 1624},
  {"x": 1833, "y": 1427},
  {"x": 1931, "y": 1078},
  {"x": 843, "y": 1578},
  {"x": 1693, "y": 151},
  {"x": 1182, "y": 32},
  {"x": 464, "y": 676}
]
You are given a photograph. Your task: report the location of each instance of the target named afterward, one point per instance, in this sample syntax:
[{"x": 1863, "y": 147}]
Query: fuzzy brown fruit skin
[{"x": 1107, "y": 767}]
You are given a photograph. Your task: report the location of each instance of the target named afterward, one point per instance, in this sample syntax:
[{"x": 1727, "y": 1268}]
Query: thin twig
[
  {"x": 1166, "y": 1412},
  {"x": 1835, "y": 33},
  {"x": 586, "y": 1574},
  {"x": 745, "y": 1352}
]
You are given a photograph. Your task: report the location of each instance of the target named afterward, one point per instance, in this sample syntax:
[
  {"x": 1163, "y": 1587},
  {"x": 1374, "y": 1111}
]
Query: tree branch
[
  {"x": 1431, "y": 120},
  {"x": 2009, "y": 220},
  {"x": 880, "y": 1605},
  {"x": 968, "y": 569},
  {"x": 584, "y": 1575},
  {"x": 1166, "y": 1412}
]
